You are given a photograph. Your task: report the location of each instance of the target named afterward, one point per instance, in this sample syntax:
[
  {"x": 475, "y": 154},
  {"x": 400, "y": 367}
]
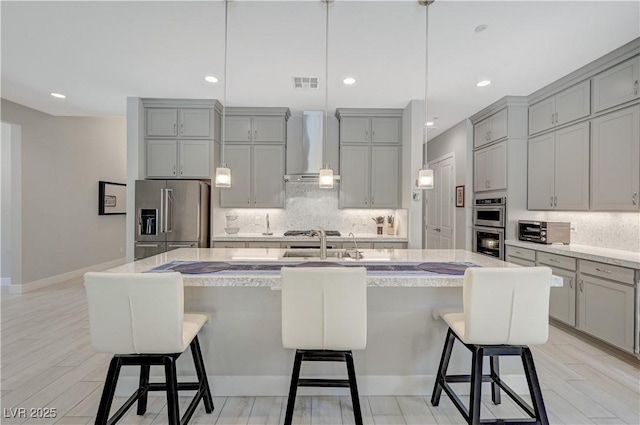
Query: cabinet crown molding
[
  {"x": 369, "y": 112},
  {"x": 505, "y": 102},
  {"x": 182, "y": 103},
  {"x": 258, "y": 111}
]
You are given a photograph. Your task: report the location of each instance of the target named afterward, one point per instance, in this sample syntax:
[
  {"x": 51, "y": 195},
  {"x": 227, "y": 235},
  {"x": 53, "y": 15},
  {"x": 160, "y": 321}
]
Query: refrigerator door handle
[
  {"x": 169, "y": 212},
  {"x": 161, "y": 222}
]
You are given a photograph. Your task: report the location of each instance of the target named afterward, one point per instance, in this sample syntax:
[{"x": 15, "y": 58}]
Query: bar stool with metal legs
[
  {"x": 140, "y": 319},
  {"x": 504, "y": 311},
  {"x": 324, "y": 317}
]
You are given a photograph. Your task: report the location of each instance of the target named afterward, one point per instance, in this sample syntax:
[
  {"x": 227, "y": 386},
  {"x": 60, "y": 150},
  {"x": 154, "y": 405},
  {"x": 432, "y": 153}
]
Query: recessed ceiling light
[
  {"x": 349, "y": 80},
  {"x": 481, "y": 28},
  {"x": 483, "y": 83},
  {"x": 58, "y": 95},
  {"x": 210, "y": 79},
  {"x": 429, "y": 123}
]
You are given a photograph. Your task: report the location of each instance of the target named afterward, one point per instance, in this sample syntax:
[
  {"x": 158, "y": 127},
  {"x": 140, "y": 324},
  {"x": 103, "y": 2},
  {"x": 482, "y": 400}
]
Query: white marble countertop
[
  {"x": 280, "y": 237},
  {"x": 586, "y": 252},
  {"x": 275, "y": 255}
]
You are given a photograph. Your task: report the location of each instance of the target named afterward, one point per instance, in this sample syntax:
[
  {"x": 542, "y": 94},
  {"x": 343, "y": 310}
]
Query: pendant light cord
[
  {"x": 326, "y": 87},
  {"x": 224, "y": 77},
  {"x": 426, "y": 79}
]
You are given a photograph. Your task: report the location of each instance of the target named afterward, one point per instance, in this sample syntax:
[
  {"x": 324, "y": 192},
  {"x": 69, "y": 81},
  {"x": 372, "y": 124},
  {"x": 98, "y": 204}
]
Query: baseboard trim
[
  {"x": 5, "y": 281},
  {"x": 37, "y": 284},
  {"x": 368, "y": 385}
]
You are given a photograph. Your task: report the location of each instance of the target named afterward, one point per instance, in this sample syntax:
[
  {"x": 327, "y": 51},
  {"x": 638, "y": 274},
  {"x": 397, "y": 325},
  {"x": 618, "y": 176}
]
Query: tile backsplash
[
  {"x": 601, "y": 229},
  {"x": 307, "y": 207}
]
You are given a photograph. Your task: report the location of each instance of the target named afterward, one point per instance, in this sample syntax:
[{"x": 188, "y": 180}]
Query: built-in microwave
[
  {"x": 489, "y": 212},
  {"x": 546, "y": 232}
]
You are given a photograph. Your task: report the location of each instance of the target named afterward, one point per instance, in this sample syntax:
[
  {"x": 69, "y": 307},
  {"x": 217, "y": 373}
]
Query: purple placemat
[
  {"x": 443, "y": 268},
  {"x": 201, "y": 267}
]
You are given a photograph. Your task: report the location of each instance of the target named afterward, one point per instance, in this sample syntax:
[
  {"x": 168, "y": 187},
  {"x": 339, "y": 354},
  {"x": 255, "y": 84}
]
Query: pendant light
[
  {"x": 223, "y": 173},
  {"x": 325, "y": 180},
  {"x": 425, "y": 176}
]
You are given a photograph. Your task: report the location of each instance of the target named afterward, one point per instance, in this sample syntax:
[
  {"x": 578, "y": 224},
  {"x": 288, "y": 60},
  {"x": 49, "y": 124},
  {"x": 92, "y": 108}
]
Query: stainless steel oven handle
[{"x": 147, "y": 245}]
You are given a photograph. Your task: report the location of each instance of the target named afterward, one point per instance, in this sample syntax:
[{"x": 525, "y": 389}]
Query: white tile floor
[{"x": 47, "y": 361}]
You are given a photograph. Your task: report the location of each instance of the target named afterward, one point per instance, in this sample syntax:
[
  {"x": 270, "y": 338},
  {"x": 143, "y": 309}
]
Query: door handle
[
  {"x": 633, "y": 198},
  {"x": 181, "y": 128},
  {"x": 635, "y": 88},
  {"x": 571, "y": 282},
  {"x": 174, "y": 169},
  {"x": 372, "y": 201},
  {"x": 555, "y": 201},
  {"x": 255, "y": 134},
  {"x": 181, "y": 169},
  {"x": 248, "y": 201},
  {"x": 603, "y": 270},
  {"x": 162, "y": 211},
  {"x": 366, "y": 134},
  {"x": 373, "y": 135},
  {"x": 175, "y": 129},
  {"x": 581, "y": 285},
  {"x": 168, "y": 217},
  {"x": 248, "y": 134},
  {"x": 551, "y": 201}
]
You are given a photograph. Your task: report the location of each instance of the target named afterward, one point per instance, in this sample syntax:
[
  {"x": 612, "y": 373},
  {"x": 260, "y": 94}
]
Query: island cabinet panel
[
  {"x": 238, "y": 159},
  {"x": 567, "y": 106},
  {"x": 354, "y": 174},
  {"x": 617, "y": 85},
  {"x": 606, "y": 310},
  {"x": 558, "y": 170},
  {"x": 615, "y": 161},
  {"x": 229, "y": 244}
]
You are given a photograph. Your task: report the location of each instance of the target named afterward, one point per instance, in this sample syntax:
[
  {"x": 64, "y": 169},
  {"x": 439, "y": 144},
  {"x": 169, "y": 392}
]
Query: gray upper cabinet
[
  {"x": 490, "y": 168},
  {"x": 370, "y": 157},
  {"x": 256, "y": 125},
  {"x": 491, "y": 129},
  {"x": 382, "y": 130},
  {"x": 178, "y": 158},
  {"x": 558, "y": 170},
  {"x": 255, "y": 152},
  {"x": 617, "y": 85},
  {"x": 568, "y": 105},
  {"x": 615, "y": 161},
  {"x": 170, "y": 122}
]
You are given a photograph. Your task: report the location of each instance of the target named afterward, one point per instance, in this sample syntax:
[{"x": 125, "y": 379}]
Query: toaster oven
[{"x": 546, "y": 232}]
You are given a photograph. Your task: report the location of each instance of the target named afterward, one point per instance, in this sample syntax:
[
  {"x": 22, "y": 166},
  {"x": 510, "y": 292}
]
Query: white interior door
[{"x": 440, "y": 223}]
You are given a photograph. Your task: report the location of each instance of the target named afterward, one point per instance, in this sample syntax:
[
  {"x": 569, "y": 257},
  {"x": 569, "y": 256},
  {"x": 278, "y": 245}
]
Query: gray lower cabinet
[
  {"x": 562, "y": 300},
  {"x": 606, "y": 310},
  {"x": 256, "y": 176},
  {"x": 229, "y": 244}
]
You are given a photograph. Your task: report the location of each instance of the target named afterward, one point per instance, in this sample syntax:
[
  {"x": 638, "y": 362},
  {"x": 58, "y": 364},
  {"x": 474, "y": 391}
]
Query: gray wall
[
  {"x": 457, "y": 140},
  {"x": 62, "y": 160}
]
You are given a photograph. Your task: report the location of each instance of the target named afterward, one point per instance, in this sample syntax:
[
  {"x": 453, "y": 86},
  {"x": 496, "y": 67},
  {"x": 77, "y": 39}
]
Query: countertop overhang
[
  {"x": 280, "y": 237},
  {"x": 276, "y": 255}
]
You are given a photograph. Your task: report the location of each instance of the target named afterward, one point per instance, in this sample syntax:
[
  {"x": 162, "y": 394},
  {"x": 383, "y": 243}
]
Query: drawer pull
[
  {"x": 571, "y": 282},
  {"x": 553, "y": 260},
  {"x": 603, "y": 270},
  {"x": 519, "y": 252},
  {"x": 582, "y": 285}
]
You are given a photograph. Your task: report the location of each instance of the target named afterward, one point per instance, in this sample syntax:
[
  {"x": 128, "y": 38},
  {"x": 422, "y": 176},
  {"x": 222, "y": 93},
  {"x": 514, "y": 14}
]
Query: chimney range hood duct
[{"x": 305, "y": 165}]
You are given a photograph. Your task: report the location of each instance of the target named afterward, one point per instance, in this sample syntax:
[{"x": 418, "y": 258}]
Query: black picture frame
[
  {"x": 460, "y": 196},
  {"x": 112, "y": 198}
]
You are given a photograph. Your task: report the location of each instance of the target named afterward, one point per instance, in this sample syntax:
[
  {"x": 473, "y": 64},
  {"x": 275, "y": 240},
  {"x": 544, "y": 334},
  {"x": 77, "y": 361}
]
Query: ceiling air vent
[{"x": 306, "y": 83}]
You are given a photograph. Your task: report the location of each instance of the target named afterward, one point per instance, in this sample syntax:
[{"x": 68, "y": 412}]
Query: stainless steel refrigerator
[{"x": 171, "y": 214}]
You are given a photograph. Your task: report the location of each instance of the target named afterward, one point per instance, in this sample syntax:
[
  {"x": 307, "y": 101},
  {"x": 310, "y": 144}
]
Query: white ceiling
[{"x": 98, "y": 53}]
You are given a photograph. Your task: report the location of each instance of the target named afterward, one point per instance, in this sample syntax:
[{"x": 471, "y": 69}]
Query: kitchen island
[{"x": 242, "y": 344}]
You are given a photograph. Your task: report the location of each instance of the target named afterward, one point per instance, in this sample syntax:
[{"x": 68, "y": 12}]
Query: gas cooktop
[{"x": 307, "y": 232}]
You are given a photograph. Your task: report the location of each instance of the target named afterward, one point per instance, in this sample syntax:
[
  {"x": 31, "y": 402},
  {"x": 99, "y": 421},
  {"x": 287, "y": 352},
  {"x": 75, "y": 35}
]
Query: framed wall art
[
  {"x": 460, "y": 196},
  {"x": 112, "y": 198}
]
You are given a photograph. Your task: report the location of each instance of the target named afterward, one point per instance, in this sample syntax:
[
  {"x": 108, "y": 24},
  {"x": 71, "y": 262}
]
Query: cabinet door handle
[
  {"x": 175, "y": 129},
  {"x": 366, "y": 201},
  {"x": 571, "y": 282},
  {"x": 373, "y": 135},
  {"x": 174, "y": 169},
  {"x": 181, "y": 169},
  {"x": 604, "y": 271},
  {"x": 248, "y": 201},
  {"x": 581, "y": 285},
  {"x": 372, "y": 201},
  {"x": 633, "y": 198},
  {"x": 248, "y": 134},
  {"x": 181, "y": 128},
  {"x": 551, "y": 201},
  {"x": 490, "y": 135},
  {"x": 366, "y": 134},
  {"x": 635, "y": 88},
  {"x": 255, "y": 134},
  {"x": 555, "y": 201},
  {"x": 552, "y": 119},
  {"x": 553, "y": 260}
]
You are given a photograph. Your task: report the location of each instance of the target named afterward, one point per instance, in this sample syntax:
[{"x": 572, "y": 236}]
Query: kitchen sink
[{"x": 315, "y": 253}]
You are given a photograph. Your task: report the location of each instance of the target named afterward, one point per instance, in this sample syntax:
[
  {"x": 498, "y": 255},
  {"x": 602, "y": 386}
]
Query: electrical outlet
[
  {"x": 256, "y": 220},
  {"x": 574, "y": 227}
]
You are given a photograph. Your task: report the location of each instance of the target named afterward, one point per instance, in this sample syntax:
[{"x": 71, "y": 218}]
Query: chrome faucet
[
  {"x": 358, "y": 254},
  {"x": 268, "y": 231},
  {"x": 319, "y": 232}
]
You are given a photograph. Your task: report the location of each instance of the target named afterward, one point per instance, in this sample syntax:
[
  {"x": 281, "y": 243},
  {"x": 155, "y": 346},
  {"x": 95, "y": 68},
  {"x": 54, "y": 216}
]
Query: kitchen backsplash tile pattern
[
  {"x": 307, "y": 207},
  {"x": 601, "y": 229}
]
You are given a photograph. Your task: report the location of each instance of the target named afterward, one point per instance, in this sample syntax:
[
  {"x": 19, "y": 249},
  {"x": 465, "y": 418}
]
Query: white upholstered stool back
[
  {"x": 506, "y": 305},
  {"x": 324, "y": 308},
  {"x": 134, "y": 313}
]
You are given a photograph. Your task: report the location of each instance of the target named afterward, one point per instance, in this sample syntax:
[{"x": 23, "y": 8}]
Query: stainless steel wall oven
[{"x": 489, "y": 218}]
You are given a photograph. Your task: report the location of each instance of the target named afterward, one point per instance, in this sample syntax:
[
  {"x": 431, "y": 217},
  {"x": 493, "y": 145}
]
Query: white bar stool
[
  {"x": 324, "y": 317},
  {"x": 505, "y": 310},
  {"x": 140, "y": 319}
]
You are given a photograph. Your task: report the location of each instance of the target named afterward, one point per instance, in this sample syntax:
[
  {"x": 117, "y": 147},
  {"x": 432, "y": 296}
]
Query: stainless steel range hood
[{"x": 306, "y": 161}]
